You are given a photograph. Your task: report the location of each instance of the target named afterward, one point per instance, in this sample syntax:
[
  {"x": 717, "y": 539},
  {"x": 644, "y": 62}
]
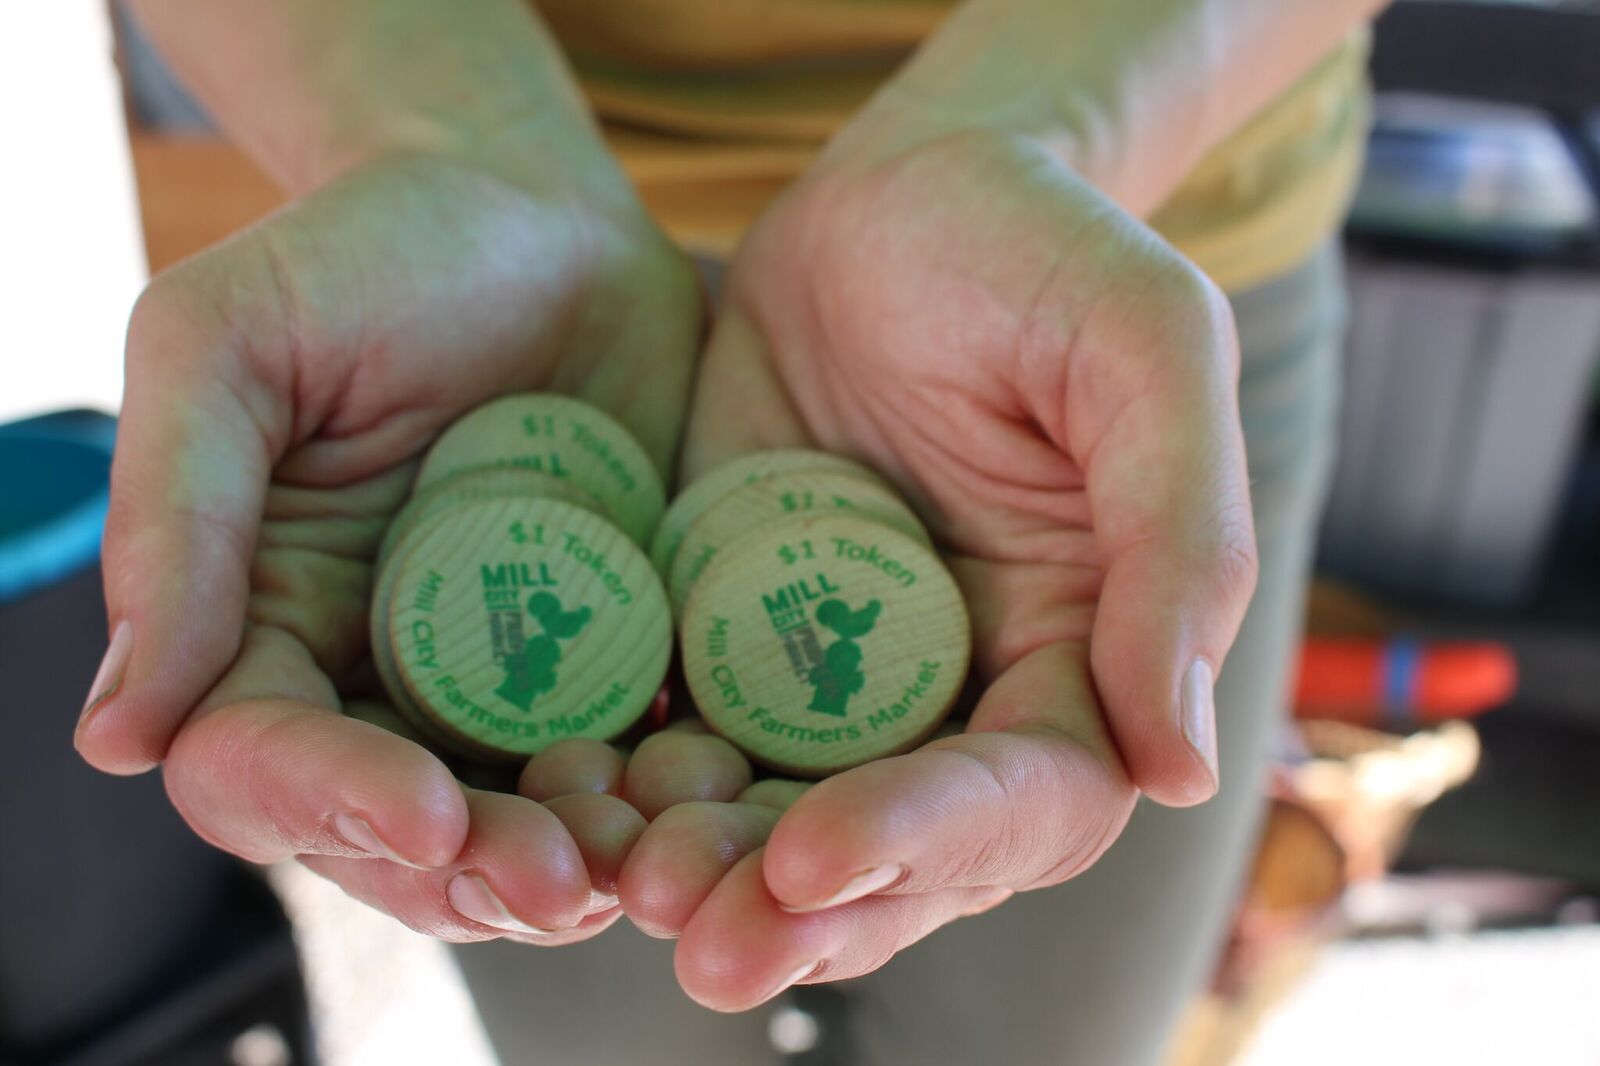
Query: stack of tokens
[
  {"x": 513, "y": 606},
  {"x": 819, "y": 628}
]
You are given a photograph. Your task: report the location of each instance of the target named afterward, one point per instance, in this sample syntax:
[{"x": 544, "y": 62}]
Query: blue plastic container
[{"x": 54, "y": 489}]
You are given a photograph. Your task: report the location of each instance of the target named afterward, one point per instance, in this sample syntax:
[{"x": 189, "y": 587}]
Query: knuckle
[
  {"x": 153, "y": 312},
  {"x": 234, "y": 754},
  {"x": 1196, "y": 316},
  {"x": 172, "y": 308},
  {"x": 161, "y": 298},
  {"x": 1187, "y": 288},
  {"x": 1168, "y": 317},
  {"x": 999, "y": 850},
  {"x": 229, "y": 305},
  {"x": 1089, "y": 836}
]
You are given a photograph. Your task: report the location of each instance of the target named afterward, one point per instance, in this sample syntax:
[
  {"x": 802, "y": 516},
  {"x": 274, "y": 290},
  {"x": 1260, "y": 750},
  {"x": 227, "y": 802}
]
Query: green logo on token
[
  {"x": 531, "y": 670},
  {"x": 838, "y": 676}
]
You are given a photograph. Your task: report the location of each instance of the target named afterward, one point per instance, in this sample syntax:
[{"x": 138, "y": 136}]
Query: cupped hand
[
  {"x": 1054, "y": 388},
  {"x": 280, "y": 388}
]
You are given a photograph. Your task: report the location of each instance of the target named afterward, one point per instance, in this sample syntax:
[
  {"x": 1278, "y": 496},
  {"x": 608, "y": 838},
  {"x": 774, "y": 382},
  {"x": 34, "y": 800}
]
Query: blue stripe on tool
[{"x": 1402, "y": 659}]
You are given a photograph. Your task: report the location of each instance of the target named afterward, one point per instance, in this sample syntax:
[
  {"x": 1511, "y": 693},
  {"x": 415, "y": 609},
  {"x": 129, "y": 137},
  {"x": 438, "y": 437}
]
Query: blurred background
[{"x": 1428, "y": 883}]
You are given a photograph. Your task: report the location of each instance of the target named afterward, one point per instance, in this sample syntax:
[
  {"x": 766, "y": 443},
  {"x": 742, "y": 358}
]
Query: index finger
[
  {"x": 195, "y": 446},
  {"x": 1167, "y": 483},
  {"x": 739, "y": 406}
]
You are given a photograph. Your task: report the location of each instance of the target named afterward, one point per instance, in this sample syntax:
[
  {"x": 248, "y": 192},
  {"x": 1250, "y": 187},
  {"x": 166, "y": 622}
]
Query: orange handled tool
[{"x": 1401, "y": 681}]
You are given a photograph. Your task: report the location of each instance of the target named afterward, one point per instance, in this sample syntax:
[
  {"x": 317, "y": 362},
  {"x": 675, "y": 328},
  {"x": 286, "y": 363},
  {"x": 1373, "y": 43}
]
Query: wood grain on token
[
  {"x": 704, "y": 491},
  {"x": 516, "y": 623},
  {"x": 560, "y": 436},
  {"x": 817, "y": 644},
  {"x": 774, "y": 498}
]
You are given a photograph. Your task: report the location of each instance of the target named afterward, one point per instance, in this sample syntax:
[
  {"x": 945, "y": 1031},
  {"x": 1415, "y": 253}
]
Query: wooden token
[
  {"x": 704, "y": 491},
  {"x": 774, "y": 498},
  {"x": 485, "y": 483},
  {"x": 515, "y": 623},
  {"x": 820, "y": 643},
  {"x": 560, "y": 436}
]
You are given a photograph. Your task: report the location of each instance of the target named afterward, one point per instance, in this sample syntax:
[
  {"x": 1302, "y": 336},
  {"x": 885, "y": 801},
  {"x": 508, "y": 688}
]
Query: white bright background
[
  {"x": 1491, "y": 998},
  {"x": 71, "y": 254}
]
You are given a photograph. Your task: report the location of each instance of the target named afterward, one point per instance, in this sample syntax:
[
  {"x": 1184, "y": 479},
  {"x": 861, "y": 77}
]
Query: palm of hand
[
  {"x": 925, "y": 318},
  {"x": 280, "y": 388},
  {"x": 991, "y": 334}
]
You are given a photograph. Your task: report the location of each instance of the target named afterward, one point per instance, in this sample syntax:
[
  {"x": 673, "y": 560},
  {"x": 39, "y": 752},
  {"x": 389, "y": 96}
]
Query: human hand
[
  {"x": 279, "y": 390},
  {"x": 1055, "y": 389}
]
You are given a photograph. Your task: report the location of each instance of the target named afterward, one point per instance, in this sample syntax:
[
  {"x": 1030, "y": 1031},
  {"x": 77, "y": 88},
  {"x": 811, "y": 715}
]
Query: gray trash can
[{"x": 1474, "y": 340}]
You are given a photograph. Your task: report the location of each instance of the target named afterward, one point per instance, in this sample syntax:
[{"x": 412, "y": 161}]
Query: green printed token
[
  {"x": 564, "y": 438},
  {"x": 819, "y": 643},
  {"x": 774, "y": 498},
  {"x": 704, "y": 491},
  {"x": 514, "y": 623},
  {"x": 479, "y": 484}
]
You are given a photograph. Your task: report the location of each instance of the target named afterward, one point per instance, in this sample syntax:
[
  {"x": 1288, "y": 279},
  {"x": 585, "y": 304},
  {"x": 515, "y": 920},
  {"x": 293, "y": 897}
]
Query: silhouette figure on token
[
  {"x": 532, "y": 672},
  {"x": 839, "y": 676}
]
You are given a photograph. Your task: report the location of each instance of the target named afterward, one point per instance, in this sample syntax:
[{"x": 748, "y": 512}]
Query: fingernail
[
  {"x": 600, "y": 901},
  {"x": 474, "y": 900},
  {"x": 109, "y": 677},
  {"x": 862, "y": 884},
  {"x": 793, "y": 979},
  {"x": 1198, "y": 715},
  {"x": 359, "y": 834}
]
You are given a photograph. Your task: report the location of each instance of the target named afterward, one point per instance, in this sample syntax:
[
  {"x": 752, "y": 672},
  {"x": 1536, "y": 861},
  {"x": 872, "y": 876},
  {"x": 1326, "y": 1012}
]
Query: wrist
[
  {"x": 549, "y": 152},
  {"x": 520, "y": 118},
  {"x": 313, "y": 89},
  {"x": 905, "y": 116},
  {"x": 1114, "y": 92}
]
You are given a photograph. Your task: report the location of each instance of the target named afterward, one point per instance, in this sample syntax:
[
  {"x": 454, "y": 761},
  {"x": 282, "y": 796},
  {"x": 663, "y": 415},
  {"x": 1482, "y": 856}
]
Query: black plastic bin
[{"x": 126, "y": 940}]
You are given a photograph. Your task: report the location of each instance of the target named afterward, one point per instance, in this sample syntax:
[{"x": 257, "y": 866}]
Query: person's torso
[{"x": 714, "y": 105}]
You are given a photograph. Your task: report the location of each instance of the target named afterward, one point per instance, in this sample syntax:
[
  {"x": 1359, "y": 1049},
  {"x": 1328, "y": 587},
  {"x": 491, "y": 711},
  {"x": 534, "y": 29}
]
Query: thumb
[{"x": 194, "y": 451}]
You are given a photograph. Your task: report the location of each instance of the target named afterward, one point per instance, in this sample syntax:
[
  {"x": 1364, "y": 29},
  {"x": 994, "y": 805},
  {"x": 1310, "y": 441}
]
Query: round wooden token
[
  {"x": 560, "y": 436},
  {"x": 820, "y": 643},
  {"x": 704, "y": 491},
  {"x": 516, "y": 623},
  {"x": 777, "y": 497},
  {"x": 483, "y": 483}
]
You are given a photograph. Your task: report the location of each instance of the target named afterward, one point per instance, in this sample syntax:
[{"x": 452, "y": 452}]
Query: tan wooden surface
[
  {"x": 516, "y": 623},
  {"x": 820, "y": 643},
  {"x": 434, "y": 502}
]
